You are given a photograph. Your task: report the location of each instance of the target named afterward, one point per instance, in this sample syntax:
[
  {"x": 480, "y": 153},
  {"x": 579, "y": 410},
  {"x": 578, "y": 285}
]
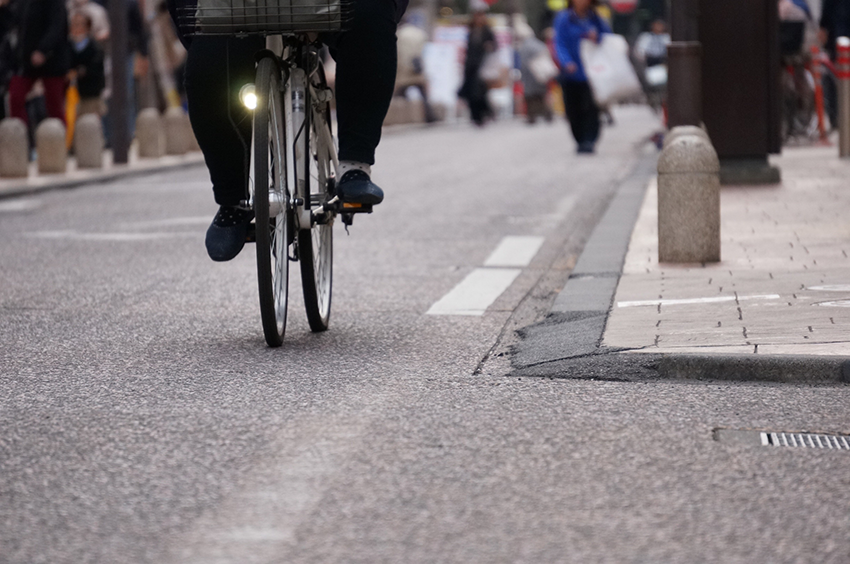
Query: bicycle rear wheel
[
  {"x": 271, "y": 200},
  {"x": 315, "y": 241}
]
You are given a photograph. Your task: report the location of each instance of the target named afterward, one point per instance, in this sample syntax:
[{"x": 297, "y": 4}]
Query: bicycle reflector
[{"x": 248, "y": 96}]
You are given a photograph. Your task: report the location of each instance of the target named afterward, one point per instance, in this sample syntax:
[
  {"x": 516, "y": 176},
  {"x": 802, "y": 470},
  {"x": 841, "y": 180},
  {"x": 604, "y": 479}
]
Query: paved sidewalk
[
  {"x": 10, "y": 187},
  {"x": 782, "y": 288}
]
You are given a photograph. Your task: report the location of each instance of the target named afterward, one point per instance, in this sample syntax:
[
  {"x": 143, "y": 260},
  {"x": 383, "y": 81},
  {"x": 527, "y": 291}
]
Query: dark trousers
[
  {"x": 217, "y": 67},
  {"x": 54, "y": 96},
  {"x": 582, "y": 111}
]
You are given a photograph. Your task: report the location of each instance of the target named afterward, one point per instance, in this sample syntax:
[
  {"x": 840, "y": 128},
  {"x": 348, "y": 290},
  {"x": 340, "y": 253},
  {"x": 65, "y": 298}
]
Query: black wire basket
[{"x": 264, "y": 17}]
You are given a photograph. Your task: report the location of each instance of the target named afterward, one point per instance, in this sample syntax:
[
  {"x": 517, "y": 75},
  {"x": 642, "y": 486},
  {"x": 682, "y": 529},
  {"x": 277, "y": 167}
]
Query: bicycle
[
  {"x": 293, "y": 154},
  {"x": 804, "y": 115}
]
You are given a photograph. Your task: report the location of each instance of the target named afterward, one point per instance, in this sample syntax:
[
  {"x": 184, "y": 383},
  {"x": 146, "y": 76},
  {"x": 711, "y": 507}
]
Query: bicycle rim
[
  {"x": 270, "y": 203},
  {"x": 316, "y": 244}
]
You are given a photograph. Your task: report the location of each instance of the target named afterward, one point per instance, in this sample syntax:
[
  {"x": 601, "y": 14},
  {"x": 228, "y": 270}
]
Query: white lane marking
[
  {"x": 515, "y": 251},
  {"x": 839, "y": 303},
  {"x": 831, "y": 288},
  {"x": 120, "y": 237},
  {"x": 697, "y": 300},
  {"x": 476, "y": 292}
]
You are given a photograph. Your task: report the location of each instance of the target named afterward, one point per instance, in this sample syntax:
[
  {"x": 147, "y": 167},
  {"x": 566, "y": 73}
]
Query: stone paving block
[{"x": 783, "y": 240}]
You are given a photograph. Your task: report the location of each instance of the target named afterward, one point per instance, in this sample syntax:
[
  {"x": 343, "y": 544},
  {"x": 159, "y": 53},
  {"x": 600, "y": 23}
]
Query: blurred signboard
[
  {"x": 624, "y": 6},
  {"x": 443, "y": 60}
]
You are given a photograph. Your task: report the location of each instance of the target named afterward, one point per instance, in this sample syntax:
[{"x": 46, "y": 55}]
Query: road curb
[
  {"x": 568, "y": 342},
  {"x": 790, "y": 369},
  {"x": 97, "y": 177},
  {"x": 576, "y": 321}
]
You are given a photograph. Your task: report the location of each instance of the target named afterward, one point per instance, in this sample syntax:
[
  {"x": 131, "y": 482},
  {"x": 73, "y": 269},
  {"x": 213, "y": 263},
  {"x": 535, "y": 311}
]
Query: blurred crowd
[
  {"x": 549, "y": 69},
  {"x": 55, "y": 59}
]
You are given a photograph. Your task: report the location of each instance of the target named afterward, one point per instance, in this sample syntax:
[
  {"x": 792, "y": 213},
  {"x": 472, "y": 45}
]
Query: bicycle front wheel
[
  {"x": 271, "y": 202},
  {"x": 315, "y": 241}
]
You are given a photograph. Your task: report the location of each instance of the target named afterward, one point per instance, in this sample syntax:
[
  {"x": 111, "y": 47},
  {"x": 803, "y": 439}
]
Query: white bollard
[
  {"x": 176, "y": 138},
  {"x": 88, "y": 141},
  {"x": 681, "y": 130},
  {"x": 150, "y": 134},
  {"x": 14, "y": 149},
  {"x": 50, "y": 148},
  {"x": 688, "y": 201}
]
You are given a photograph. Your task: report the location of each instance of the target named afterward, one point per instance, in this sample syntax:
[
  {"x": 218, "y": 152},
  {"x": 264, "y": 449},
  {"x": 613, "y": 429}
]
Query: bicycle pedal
[
  {"x": 251, "y": 235},
  {"x": 356, "y": 208}
]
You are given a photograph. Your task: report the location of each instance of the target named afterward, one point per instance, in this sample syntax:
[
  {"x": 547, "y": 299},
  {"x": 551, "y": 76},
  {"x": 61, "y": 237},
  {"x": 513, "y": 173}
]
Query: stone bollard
[
  {"x": 51, "y": 150},
  {"x": 677, "y": 132},
  {"x": 149, "y": 134},
  {"x": 190, "y": 134},
  {"x": 398, "y": 112},
  {"x": 688, "y": 201},
  {"x": 416, "y": 111},
  {"x": 88, "y": 141},
  {"x": 176, "y": 136},
  {"x": 14, "y": 149}
]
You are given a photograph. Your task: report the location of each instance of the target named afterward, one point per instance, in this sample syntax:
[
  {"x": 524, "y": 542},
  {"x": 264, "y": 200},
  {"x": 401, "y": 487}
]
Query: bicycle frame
[{"x": 300, "y": 97}]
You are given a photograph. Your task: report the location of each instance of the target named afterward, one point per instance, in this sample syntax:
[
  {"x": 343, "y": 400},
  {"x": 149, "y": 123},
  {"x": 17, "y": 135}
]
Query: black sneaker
[
  {"x": 355, "y": 187},
  {"x": 227, "y": 233}
]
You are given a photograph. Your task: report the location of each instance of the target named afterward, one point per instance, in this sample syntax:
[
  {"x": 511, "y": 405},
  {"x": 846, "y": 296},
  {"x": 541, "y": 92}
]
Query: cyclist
[{"x": 218, "y": 66}]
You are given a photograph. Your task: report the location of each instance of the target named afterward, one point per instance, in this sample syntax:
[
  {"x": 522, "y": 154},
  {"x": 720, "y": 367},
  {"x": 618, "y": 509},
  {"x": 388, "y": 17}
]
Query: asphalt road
[{"x": 142, "y": 418}]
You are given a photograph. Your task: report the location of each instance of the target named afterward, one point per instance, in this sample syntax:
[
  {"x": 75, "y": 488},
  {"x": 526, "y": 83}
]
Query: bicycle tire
[
  {"x": 315, "y": 244},
  {"x": 271, "y": 200}
]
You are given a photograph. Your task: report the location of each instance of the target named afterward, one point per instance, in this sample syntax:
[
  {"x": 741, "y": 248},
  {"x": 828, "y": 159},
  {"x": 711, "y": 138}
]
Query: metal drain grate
[{"x": 806, "y": 440}]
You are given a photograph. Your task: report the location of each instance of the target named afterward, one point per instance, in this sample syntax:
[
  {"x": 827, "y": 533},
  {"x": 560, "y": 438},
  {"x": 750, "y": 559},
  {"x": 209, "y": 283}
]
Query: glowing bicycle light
[{"x": 248, "y": 96}]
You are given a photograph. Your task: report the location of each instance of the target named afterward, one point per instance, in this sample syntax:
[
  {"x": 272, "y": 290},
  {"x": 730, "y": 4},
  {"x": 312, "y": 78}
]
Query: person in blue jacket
[{"x": 573, "y": 25}]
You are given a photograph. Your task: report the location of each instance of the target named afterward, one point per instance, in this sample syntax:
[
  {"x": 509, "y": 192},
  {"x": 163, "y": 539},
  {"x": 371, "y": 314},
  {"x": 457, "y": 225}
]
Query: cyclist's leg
[
  {"x": 220, "y": 122},
  {"x": 365, "y": 79}
]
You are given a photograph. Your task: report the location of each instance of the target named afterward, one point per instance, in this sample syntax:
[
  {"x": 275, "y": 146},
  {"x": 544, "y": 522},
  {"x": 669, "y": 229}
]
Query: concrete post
[
  {"x": 176, "y": 136},
  {"x": 684, "y": 88},
  {"x": 120, "y": 103},
  {"x": 88, "y": 141},
  {"x": 14, "y": 149},
  {"x": 682, "y": 130},
  {"x": 51, "y": 150},
  {"x": 689, "y": 201},
  {"x": 149, "y": 134},
  {"x": 843, "y": 76}
]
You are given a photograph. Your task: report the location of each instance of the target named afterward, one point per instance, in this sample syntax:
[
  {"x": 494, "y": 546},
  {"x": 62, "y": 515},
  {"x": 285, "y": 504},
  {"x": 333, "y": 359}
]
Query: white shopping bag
[
  {"x": 608, "y": 68},
  {"x": 542, "y": 67}
]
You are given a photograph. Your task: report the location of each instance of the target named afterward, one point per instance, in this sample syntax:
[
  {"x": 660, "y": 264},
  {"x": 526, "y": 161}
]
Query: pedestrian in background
[
  {"x": 480, "y": 44},
  {"x": 650, "y": 52},
  {"x": 572, "y": 26},
  {"x": 534, "y": 90},
  {"x": 410, "y": 69},
  {"x": 87, "y": 71},
  {"x": 97, "y": 15},
  {"x": 651, "y": 46},
  {"x": 44, "y": 55},
  {"x": 8, "y": 51},
  {"x": 834, "y": 23}
]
